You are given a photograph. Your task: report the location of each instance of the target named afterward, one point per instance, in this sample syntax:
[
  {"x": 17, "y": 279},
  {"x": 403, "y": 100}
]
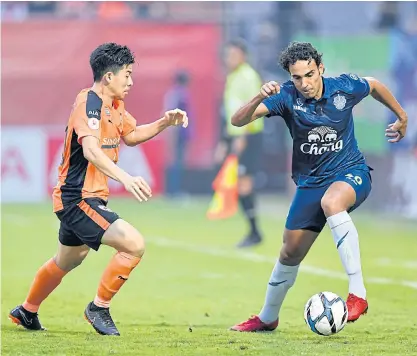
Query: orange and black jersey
[{"x": 77, "y": 178}]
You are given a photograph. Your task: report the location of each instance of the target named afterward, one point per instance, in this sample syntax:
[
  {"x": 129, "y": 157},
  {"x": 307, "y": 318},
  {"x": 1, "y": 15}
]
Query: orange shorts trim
[{"x": 93, "y": 215}]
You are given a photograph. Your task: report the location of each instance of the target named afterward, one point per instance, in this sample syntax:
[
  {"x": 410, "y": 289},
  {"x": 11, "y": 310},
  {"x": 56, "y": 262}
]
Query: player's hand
[
  {"x": 138, "y": 187},
  {"x": 396, "y": 131},
  {"x": 176, "y": 117},
  {"x": 239, "y": 145},
  {"x": 220, "y": 152},
  {"x": 270, "y": 88}
]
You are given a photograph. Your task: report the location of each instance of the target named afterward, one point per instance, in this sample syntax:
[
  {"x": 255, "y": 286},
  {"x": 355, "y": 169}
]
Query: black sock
[
  {"x": 29, "y": 312},
  {"x": 94, "y": 307},
  {"x": 248, "y": 205}
]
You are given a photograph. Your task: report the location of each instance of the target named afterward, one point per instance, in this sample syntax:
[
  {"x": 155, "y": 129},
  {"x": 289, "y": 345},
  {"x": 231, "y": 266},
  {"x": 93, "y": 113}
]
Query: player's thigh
[
  {"x": 305, "y": 212},
  {"x": 89, "y": 220},
  {"x": 296, "y": 244},
  {"x": 349, "y": 191},
  {"x": 66, "y": 235},
  {"x": 124, "y": 238},
  {"x": 69, "y": 257}
]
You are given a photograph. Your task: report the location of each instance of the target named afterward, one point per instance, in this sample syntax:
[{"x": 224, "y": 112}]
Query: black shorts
[
  {"x": 250, "y": 158},
  {"x": 85, "y": 223}
]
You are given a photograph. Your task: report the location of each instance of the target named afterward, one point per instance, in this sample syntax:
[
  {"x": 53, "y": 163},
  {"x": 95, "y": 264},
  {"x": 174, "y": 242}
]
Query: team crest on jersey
[
  {"x": 339, "y": 102},
  {"x": 107, "y": 111},
  {"x": 93, "y": 123},
  {"x": 320, "y": 140}
]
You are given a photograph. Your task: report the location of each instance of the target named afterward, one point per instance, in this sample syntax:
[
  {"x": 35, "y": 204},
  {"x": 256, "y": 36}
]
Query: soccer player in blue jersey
[{"x": 330, "y": 172}]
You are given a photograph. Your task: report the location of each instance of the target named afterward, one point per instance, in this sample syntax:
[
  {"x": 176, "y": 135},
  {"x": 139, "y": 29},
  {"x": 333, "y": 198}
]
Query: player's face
[
  {"x": 306, "y": 77},
  {"x": 234, "y": 57},
  {"x": 120, "y": 83}
]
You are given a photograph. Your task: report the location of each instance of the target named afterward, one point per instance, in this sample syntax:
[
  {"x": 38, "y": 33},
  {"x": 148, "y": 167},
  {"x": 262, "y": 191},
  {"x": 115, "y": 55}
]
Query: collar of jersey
[{"x": 328, "y": 92}]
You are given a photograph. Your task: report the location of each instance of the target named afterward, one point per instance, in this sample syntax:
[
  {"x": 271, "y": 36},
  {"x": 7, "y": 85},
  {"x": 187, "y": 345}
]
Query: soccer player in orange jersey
[{"x": 97, "y": 123}]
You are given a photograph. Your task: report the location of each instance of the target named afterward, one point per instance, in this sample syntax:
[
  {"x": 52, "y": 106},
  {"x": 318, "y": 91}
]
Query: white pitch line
[
  {"x": 255, "y": 257},
  {"x": 387, "y": 262}
]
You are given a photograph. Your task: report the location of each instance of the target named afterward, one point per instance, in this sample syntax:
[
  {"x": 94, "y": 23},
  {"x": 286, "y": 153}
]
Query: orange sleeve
[
  {"x": 86, "y": 124},
  {"x": 129, "y": 124}
]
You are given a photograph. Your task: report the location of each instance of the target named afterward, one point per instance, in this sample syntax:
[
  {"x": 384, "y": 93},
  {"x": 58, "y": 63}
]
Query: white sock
[
  {"x": 282, "y": 278},
  {"x": 346, "y": 239}
]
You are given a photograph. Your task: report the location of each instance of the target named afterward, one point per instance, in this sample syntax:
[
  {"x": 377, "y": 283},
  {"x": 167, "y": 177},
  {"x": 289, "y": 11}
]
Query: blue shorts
[{"x": 306, "y": 212}]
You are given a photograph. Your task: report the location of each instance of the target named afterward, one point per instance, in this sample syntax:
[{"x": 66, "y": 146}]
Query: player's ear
[
  {"x": 321, "y": 69},
  {"x": 108, "y": 77}
]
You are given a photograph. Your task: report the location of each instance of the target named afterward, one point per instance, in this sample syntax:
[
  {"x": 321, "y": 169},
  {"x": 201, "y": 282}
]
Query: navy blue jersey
[{"x": 324, "y": 142}]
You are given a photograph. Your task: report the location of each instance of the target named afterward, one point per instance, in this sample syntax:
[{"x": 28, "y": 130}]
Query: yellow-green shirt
[{"x": 241, "y": 86}]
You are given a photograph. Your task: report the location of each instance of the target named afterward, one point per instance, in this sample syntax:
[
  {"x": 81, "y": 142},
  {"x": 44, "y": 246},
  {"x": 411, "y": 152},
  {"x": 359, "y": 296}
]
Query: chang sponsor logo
[{"x": 321, "y": 140}]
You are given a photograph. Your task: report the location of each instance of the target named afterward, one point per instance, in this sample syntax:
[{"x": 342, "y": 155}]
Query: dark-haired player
[
  {"x": 97, "y": 123},
  {"x": 330, "y": 172}
]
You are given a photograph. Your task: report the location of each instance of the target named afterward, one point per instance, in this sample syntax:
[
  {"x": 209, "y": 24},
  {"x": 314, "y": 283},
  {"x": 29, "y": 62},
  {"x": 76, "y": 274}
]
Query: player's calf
[
  {"x": 70, "y": 257},
  {"x": 130, "y": 247}
]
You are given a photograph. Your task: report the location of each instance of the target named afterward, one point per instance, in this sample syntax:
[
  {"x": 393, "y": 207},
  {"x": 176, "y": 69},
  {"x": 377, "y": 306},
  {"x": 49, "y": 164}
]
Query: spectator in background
[
  {"x": 76, "y": 9},
  {"x": 403, "y": 49},
  {"x": 242, "y": 84},
  {"x": 114, "y": 10},
  {"x": 388, "y": 15},
  {"x": 41, "y": 8},
  {"x": 14, "y": 11},
  {"x": 179, "y": 96}
]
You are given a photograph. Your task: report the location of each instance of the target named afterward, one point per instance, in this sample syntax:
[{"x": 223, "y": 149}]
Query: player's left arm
[
  {"x": 133, "y": 135},
  {"x": 381, "y": 93}
]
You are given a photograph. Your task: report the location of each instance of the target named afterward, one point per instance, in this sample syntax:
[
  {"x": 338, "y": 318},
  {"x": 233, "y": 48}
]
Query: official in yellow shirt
[{"x": 242, "y": 84}]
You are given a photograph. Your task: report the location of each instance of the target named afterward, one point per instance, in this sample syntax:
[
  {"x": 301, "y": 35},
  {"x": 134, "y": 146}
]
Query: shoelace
[
  {"x": 352, "y": 298},
  {"x": 249, "y": 321},
  {"x": 107, "y": 320}
]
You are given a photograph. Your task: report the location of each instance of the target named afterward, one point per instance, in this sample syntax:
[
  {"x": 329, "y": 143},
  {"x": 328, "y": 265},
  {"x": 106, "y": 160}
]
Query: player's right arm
[
  {"x": 255, "y": 108},
  {"x": 93, "y": 153},
  {"x": 87, "y": 125}
]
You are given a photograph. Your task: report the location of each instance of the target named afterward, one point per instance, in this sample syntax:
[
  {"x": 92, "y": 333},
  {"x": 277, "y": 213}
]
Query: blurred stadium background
[{"x": 45, "y": 49}]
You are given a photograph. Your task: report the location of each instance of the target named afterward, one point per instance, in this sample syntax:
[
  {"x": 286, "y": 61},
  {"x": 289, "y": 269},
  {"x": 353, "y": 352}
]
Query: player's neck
[
  {"x": 103, "y": 94},
  {"x": 321, "y": 91},
  {"x": 240, "y": 65}
]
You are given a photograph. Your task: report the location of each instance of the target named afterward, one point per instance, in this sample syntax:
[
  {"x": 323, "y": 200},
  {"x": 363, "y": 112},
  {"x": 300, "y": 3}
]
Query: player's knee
[
  {"x": 68, "y": 262},
  {"x": 331, "y": 204},
  {"x": 138, "y": 247},
  {"x": 124, "y": 238},
  {"x": 133, "y": 244},
  {"x": 291, "y": 255}
]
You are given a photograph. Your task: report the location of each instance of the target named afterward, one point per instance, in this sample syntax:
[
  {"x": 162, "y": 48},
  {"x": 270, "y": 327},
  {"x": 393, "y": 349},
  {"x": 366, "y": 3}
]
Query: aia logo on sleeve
[{"x": 93, "y": 113}]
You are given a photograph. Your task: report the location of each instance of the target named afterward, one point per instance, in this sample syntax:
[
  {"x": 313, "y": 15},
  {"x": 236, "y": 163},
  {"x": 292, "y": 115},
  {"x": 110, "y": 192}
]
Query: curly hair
[
  {"x": 109, "y": 57},
  {"x": 299, "y": 51}
]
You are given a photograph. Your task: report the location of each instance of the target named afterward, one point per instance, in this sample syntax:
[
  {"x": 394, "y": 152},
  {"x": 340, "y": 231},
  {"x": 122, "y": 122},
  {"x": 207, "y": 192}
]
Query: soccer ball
[{"x": 325, "y": 313}]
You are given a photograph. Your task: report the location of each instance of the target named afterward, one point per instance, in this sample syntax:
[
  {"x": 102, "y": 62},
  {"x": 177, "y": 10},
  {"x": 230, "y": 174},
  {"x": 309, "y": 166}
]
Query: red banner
[{"x": 45, "y": 64}]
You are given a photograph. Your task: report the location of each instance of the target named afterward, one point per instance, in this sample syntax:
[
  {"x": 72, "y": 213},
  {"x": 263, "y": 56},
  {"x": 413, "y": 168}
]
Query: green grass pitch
[{"x": 192, "y": 284}]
